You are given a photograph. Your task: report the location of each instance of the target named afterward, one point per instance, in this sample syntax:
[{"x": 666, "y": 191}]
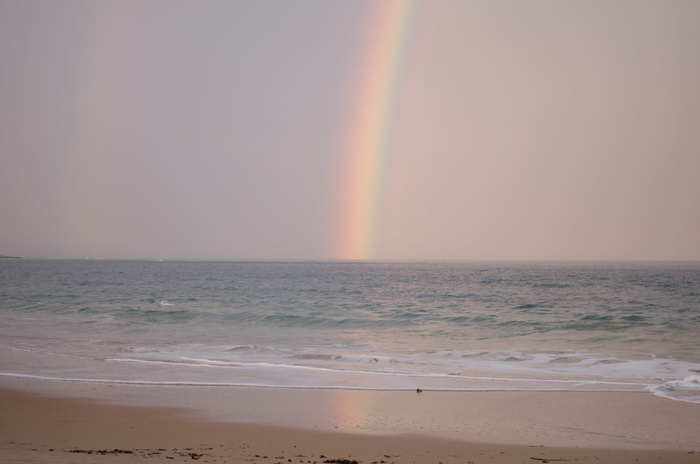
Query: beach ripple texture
[{"x": 467, "y": 326}]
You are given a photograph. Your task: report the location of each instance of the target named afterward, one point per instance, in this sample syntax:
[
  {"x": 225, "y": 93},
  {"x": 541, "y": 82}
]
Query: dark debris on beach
[
  {"x": 144, "y": 452},
  {"x": 102, "y": 452}
]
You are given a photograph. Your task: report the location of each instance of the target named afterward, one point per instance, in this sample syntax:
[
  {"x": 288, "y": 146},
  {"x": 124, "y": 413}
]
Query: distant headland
[{"x": 10, "y": 257}]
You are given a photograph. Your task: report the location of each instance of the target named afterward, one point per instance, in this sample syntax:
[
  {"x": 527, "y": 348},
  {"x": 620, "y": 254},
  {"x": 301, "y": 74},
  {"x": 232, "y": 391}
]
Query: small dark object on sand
[{"x": 340, "y": 461}]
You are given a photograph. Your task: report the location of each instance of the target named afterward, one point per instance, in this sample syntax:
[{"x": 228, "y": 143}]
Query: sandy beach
[{"x": 61, "y": 422}]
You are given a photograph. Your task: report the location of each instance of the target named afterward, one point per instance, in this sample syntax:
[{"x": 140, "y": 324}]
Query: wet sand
[{"x": 61, "y": 422}]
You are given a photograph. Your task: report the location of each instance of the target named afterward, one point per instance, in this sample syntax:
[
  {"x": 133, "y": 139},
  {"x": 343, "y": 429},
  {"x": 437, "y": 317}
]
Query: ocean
[{"x": 467, "y": 326}]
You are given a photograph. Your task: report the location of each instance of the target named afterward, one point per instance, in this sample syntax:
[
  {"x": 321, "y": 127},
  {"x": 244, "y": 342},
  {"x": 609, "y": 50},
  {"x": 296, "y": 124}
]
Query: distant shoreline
[{"x": 10, "y": 257}]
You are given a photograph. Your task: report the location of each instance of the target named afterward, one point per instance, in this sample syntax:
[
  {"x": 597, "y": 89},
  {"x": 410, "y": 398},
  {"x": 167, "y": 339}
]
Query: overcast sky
[{"x": 218, "y": 129}]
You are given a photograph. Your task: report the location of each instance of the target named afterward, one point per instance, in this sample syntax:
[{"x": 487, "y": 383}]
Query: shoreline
[
  {"x": 38, "y": 429},
  {"x": 77, "y": 422}
]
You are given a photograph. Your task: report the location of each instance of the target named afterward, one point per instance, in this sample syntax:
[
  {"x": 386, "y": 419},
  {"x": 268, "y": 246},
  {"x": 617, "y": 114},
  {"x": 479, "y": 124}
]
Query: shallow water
[{"x": 397, "y": 325}]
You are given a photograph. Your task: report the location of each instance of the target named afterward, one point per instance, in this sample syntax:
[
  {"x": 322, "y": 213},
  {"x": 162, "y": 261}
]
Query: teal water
[{"x": 439, "y": 325}]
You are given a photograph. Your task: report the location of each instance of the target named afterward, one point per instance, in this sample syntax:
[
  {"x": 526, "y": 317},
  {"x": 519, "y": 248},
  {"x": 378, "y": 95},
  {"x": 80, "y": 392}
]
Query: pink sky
[{"x": 220, "y": 130}]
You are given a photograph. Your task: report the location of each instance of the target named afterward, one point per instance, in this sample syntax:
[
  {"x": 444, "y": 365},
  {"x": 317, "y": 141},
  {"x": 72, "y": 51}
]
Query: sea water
[{"x": 360, "y": 325}]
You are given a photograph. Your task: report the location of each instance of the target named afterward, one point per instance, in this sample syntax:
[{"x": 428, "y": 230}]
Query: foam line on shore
[{"x": 338, "y": 387}]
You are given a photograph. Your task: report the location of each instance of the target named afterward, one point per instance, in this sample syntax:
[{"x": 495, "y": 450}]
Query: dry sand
[{"x": 39, "y": 423}]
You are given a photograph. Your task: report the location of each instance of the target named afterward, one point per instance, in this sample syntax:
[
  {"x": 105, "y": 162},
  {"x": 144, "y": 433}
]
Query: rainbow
[{"x": 370, "y": 129}]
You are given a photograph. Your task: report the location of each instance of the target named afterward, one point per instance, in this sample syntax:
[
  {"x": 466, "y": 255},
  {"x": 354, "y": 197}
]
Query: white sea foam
[
  {"x": 163, "y": 370},
  {"x": 687, "y": 389}
]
